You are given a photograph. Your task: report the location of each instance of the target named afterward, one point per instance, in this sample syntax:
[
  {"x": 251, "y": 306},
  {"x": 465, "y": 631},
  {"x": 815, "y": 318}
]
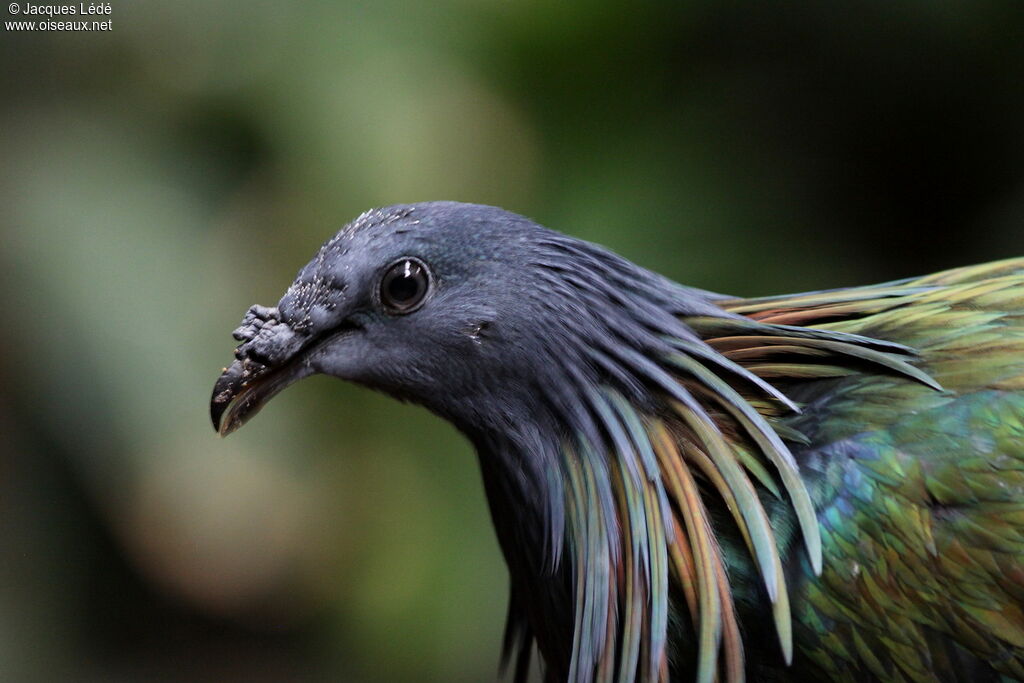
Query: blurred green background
[{"x": 157, "y": 179}]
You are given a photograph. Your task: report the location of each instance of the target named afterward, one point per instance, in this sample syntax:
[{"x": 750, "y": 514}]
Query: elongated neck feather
[{"x": 642, "y": 410}]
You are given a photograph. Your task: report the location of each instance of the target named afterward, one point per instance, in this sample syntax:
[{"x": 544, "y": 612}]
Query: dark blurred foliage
[{"x": 157, "y": 179}]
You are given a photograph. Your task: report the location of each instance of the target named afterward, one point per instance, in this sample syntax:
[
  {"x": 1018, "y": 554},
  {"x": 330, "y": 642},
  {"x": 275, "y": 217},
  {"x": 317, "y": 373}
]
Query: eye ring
[{"x": 404, "y": 286}]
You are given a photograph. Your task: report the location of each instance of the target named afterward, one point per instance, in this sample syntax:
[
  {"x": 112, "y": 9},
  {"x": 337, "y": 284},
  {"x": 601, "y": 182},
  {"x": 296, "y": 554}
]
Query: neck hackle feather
[{"x": 684, "y": 420}]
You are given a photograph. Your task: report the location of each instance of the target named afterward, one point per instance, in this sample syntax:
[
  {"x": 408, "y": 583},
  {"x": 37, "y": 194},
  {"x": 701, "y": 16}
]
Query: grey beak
[{"x": 267, "y": 361}]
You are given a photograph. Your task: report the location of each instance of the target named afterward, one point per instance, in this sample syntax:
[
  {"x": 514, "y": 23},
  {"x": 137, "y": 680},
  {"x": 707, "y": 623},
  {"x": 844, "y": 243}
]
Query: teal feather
[{"x": 771, "y": 446}]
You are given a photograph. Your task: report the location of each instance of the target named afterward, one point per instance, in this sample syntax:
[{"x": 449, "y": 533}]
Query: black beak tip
[
  {"x": 225, "y": 390},
  {"x": 216, "y": 411}
]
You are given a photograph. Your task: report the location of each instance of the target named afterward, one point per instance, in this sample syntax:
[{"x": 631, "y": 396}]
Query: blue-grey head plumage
[{"x": 527, "y": 311}]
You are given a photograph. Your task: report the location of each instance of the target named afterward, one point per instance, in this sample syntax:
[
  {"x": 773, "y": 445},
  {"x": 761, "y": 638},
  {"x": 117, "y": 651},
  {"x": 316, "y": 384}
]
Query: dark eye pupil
[
  {"x": 404, "y": 286},
  {"x": 402, "y": 289}
]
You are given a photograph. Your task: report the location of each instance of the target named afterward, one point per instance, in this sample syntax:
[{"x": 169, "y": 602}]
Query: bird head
[{"x": 473, "y": 311}]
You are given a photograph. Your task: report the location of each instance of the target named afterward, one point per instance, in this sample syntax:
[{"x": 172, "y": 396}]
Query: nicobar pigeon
[{"x": 687, "y": 485}]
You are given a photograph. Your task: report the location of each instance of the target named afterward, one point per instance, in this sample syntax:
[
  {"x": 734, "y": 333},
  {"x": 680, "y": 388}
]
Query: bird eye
[{"x": 404, "y": 286}]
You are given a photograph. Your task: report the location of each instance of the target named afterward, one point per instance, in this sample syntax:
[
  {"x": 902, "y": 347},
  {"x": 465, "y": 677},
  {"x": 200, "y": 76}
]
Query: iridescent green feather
[
  {"x": 921, "y": 499},
  {"x": 917, "y": 450}
]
